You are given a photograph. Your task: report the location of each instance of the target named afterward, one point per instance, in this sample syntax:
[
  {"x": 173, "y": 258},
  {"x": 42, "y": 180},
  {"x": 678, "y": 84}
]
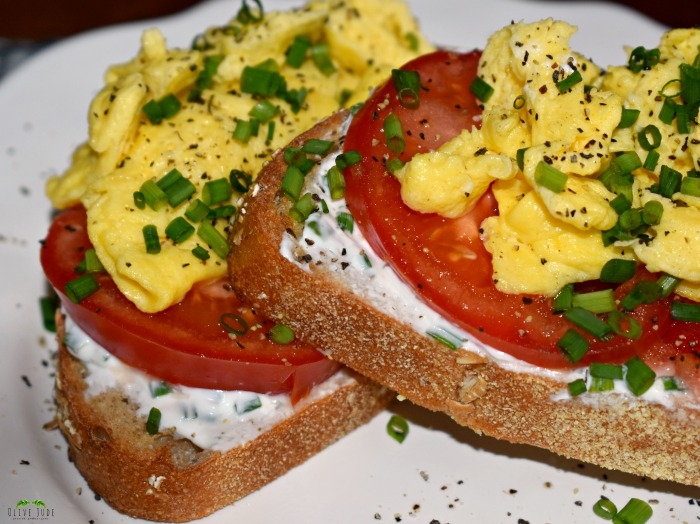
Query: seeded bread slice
[
  {"x": 612, "y": 430},
  {"x": 165, "y": 477}
]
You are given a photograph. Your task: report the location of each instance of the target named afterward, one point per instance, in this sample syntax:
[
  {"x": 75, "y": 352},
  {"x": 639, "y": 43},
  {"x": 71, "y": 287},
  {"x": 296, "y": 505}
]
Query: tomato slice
[
  {"x": 184, "y": 344},
  {"x": 444, "y": 260}
]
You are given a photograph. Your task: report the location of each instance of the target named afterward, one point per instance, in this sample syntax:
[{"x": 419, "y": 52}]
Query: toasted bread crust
[
  {"x": 164, "y": 477},
  {"x": 627, "y": 435}
]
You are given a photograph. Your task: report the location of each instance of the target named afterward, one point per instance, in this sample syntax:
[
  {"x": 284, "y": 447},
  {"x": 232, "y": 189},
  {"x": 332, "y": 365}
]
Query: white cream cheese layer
[
  {"x": 211, "y": 419},
  {"x": 351, "y": 259}
]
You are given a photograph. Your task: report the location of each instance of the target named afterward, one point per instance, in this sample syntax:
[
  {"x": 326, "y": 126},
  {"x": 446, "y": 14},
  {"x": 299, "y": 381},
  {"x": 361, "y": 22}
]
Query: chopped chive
[
  {"x": 216, "y": 191},
  {"x": 600, "y": 301},
  {"x": 650, "y": 131},
  {"x": 179, "y": 190},
  {"x": 588, "y": 321},
  {"x": 618, "y": 270},
  {"x": 179, "y": 230},
  {"x": 292, "y": 183},
  {"x": 248, "y": 406},
  {"x": 668, "y": 284},
  {"x": 394, "y": 165},
  {"x": 261, "y": 80},
  {"x": 153, "y": 195},
  {"x": 443, "y": 336},
  {"x": 639, "y": 376},
  {"x": 669, "y": 181},
  {"x": 224, "y": 211},
  {"x": 151, "y": 239},
  {"x": 321, "y": 55},
  {"x": 296, "y": 53},
  {"x": 317, "y": 146},
  {"x": 605, "y": 509},
  {"x": 573, "y": 345},
  {"x": 671, "y": 384},
  {"x": 91, "y": 262},
  {"x": 139, "y": 200},
  {"x": 281, "y": 334},
  {"x": 690, "y": 186},
  {"x": 303, "y": 208},
  {"x": 569, "y": 81},
  {"x": 336, "y": 183},
  {"x": 214, "y": 239},
  {"x": 397, "y": 428},
  {"x": 200, "y": 253},
  {"x": 270, "y": 131},
  {"x": 240, "y": 180},
  {"x": 652, "y": 212},
  {"x": 643, "y": 292},
  {"x": 628, "y": 117},
  {"x": 158, "y": 388},
  {"x": 243, "y": 131},
  {"x": 628, "y": 161},
  {"x": 600, "y": 384},
  {"x": 81, "y": 287},
  {"x": 603, "y": 370},
  {"x": 407, "y": 84},
  {"x": 345, "y": 221},
  {"x": 624, "y": 325},
  {"x": 668, "y": 111},
  {"x": 481, "y": 89},
  {"x": 651, "y": 160},
  {"x": 234, "y": 324},
  {"x": 48, "y": 305},
  {"x": 263, "y": 111},
  {"x": 563, "y": 299},
  {"x": 393, "y": 133},
  {"x": 636, "y": 511},
  {"x": 153, "y": 421},
  {"x": 577, "y": 387},
  {"x": 685, "y": 311},
  {"x": 348, "y": 158},
  {"x": 550, "y": 177},
  {"x": 197, "y": 211}
]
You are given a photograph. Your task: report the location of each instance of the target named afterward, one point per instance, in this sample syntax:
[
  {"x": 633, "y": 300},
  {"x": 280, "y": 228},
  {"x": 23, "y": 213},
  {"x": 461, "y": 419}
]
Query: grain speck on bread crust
[
  {"x": 628, "y": 435},
  {"x": 167, "y": 478}
]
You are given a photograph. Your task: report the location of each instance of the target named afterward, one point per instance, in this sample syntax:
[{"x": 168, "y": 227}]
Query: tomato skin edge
[{"x": 157, "y": 345}]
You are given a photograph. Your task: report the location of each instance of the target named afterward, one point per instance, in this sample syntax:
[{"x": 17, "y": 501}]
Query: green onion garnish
[
  {"x": 618, "y": 270},
  {"x": 303, "y": 208},
  {"x": 636, "y": 511},
  {"x": 407, "y": 84},
  {"x": 624, "y": 325},
  {"x": 671, "y": 384},
  {"x": 690, "y": 186},
  {"x": 652, "y": 212},
  {"x": 214, "y": 239},
  {"x": 650, "y": 131},
  {"x": 605, "y": 509},
  {"x": 153, "y": 422},
  {"x": 292, "y": 183},
  {"x": 603, "y": 370},
  {"x": 639, "y": 376},
  {"x": 348, "y": 158},
  {"x": 394, "y": 164},
  {"x": 393, "y": 133},
  {"x": 397, "y": 428},
  {"x": 481, "y": 89},
  {"x": 685, "y": 311},
  {"x": 644, "y": 292},
  {"x": 563, "y": 299},
  {"x": 263, "y": 111},
  {"x": 628, "y": 117},
  {"x": 577, "y": 387},
  {"x": 588, "y": 321},
  {"x": 281, "y": 334},
  {"x": 179, "y": 230},
  {"x": 159, "y": 388},
  {"x": 642, "y": 58},
  {"x": 153, "y": 195},
  {"x": 321, "y": 55},
  {"x": 570, "y": 81},
  {"x": 81, "y": 287},
  {"x": 600, "y": 301},
  {"x": 176, "y": 187},
  {"x": 247, "y": 16},
  {"x": 248, "y": 406},
  {"x": 336, "y": 183},
  {"x": 574, "y": 345},
  {"x": 297, "y": 51},
  {"x": 601, "y": 384},
  {"x": 651, "y": 160},
  {"x": 158, "y": 110},
  {"x": 139, "y": 200},
  {"x": 216, "y": 191},
  {"x": 669, "y": 181},
  {"x": 262, "y": 80},
  {"x": 200, "y": 253},
  {"x": 668, "y": 284},
  {"x": 317, "y": 146},
  {"x": 151, "y": 239},
  {"x": 345, "y": 221},
  {"x": 234, "y": 324},
  {"x": 197, "y": 211},
  {"x": 48, "y": 305},
  {"x": 550, "y": 177},
  {"x": 240, "y": 180}
]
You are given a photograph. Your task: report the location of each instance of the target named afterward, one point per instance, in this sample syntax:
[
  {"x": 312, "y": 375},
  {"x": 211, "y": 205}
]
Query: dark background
[{"x": 50, "y": 19}]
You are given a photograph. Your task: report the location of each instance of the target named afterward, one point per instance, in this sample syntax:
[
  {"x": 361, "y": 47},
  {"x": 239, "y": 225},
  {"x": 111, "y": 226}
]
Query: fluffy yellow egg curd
[
  {"x": 222, "y": 125},
  {"x": 551, "y": 143}
]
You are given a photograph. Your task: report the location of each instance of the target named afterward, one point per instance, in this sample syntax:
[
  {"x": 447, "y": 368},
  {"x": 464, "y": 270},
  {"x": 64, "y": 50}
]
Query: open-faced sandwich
[
  {"x": 177, "y": 398},
  {"x": 511, "y": 237}
]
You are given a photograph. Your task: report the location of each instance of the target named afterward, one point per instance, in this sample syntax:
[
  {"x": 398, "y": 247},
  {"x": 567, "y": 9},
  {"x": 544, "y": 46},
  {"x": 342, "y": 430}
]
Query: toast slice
[
  {"x": 166, "y": 477},
  {"x": 330, "y": 310}
]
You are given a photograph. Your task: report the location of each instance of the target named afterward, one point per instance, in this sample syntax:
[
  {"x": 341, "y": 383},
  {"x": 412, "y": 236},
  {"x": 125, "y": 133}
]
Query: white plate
[{"x": 441, "y": 473}]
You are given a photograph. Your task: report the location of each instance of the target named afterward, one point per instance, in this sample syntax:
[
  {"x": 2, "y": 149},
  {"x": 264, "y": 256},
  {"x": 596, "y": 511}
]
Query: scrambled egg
[
  {"x": 547, "y": 235},
  {"x": 365, "y": 39}
]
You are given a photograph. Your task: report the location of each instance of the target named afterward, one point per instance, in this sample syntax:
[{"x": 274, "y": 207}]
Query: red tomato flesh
[
  {"x": 184, "y": 344},
  {"x": 444, "y": 260}
]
